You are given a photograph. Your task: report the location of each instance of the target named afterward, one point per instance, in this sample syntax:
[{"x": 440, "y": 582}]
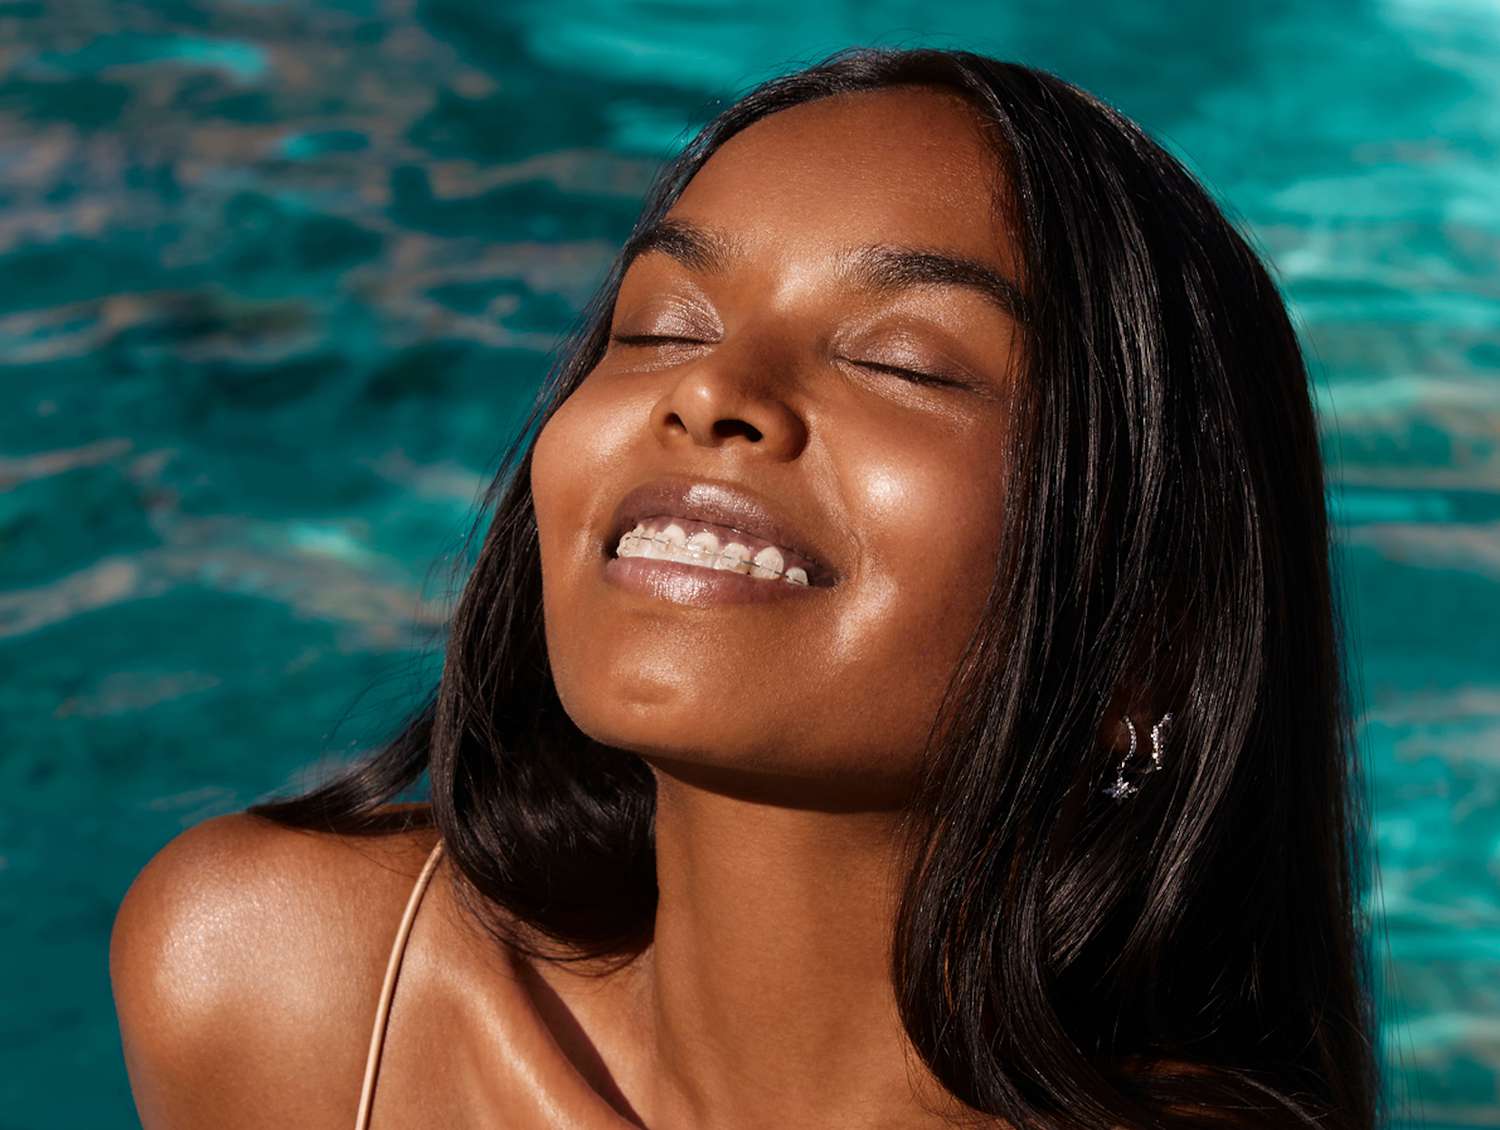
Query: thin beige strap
[{"x": 393, "y": 967}]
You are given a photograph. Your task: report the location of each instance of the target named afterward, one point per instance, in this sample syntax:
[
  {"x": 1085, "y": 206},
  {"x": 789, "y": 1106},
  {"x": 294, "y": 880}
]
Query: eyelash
[{"x": 913, "y": 375}]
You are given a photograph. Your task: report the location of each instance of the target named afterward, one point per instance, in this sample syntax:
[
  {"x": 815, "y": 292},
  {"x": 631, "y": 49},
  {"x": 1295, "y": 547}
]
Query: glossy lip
[{"x": 726, "y": 505}]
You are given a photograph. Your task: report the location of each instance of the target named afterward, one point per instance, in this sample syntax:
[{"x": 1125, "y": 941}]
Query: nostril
[{"x": 726, "y": 428}]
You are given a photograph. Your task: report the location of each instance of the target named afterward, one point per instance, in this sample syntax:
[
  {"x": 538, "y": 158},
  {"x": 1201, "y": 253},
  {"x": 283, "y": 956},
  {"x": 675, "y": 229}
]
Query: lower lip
[{"x": 694, "y": 585}]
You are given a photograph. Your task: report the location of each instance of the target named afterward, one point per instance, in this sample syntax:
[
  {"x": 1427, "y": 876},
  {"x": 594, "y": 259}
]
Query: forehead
[{"x": 903, "y": 165}]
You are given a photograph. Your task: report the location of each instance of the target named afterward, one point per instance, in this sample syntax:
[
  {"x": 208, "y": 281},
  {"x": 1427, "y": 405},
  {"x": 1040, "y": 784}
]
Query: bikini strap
[{"x": 387, "y": 990}]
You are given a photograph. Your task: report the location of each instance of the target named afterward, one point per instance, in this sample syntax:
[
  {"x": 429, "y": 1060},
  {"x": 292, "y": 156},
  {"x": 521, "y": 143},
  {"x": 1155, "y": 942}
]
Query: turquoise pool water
[{"x": 277, "y": 278}]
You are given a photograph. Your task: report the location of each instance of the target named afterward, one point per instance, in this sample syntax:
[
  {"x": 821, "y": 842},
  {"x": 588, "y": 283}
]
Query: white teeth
[
  {"x": 704, "y": 545},
  {"x": 672, "y": 544},
  {"x": 630, "y": 542},
  {"x": 735, "y": 557},
  {"x": 768, "y": 563}
]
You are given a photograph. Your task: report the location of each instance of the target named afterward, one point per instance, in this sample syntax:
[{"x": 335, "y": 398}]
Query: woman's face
[{"x": 778, "y": 385}]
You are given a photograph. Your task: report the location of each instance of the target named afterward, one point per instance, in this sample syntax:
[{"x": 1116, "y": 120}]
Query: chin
[
  {"x": 691, "y": 739},
  {"x": 636, "y": 696},
  {"x": 662, "y": 713}
]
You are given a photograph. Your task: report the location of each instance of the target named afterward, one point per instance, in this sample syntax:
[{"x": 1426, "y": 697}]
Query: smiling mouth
[
  {"x": 711, "y": 541},
  {"x": 716, "y": 548}
]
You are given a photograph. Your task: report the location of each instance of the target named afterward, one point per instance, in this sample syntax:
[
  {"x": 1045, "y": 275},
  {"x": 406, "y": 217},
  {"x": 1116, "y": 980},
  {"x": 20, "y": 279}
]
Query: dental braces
[{"x": 662, "y": 541}]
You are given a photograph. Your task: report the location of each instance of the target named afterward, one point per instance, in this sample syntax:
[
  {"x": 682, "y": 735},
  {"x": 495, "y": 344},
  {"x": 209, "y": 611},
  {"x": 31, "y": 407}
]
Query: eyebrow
[{"x": 880, "y": 267}]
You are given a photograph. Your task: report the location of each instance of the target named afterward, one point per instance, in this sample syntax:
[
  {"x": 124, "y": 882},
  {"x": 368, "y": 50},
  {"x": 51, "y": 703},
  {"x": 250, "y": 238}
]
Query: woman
[{"x": 899, "y": 686}]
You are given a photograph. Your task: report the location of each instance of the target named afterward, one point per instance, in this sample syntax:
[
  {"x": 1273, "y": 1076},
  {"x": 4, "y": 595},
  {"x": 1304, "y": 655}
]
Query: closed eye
[
  {"x": 914, "y": 375},
  {"x": 655, "y": 339}
]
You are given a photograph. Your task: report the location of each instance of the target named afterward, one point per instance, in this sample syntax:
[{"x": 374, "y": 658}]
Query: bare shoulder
[{"x": 246, "y": 959}]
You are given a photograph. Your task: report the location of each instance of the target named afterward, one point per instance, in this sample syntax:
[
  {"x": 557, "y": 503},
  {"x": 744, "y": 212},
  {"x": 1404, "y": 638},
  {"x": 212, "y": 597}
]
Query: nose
[{"x": 711, "y": 405}]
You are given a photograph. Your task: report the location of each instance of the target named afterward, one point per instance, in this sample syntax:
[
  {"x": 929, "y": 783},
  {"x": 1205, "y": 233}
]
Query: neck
[{"x": 767, "y": 987}]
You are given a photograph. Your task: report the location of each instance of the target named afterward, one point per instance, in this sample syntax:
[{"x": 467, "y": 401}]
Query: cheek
[
  {"x": 929, "y": 510},
  {"x": 561, "y": 461},
  {"x": 580, "y": 442},
  {"x": 552, "y": 488},
  {"x": 561, "y": 443},
  {"x": 945, "y": 516},
  {"x": 585, "y": 443}
]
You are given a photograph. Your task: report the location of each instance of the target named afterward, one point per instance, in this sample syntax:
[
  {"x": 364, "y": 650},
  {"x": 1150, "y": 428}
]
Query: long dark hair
[{"x": 1195, "y": 952}]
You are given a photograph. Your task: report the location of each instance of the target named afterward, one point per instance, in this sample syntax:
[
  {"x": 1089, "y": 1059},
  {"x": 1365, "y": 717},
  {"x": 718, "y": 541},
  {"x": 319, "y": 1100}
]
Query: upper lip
[{"x": 724, "y": 504}]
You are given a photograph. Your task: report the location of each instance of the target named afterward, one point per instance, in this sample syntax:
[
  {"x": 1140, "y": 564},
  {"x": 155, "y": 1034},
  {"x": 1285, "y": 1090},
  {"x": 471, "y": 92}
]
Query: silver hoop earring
[{"x": 1120, "y": 788}]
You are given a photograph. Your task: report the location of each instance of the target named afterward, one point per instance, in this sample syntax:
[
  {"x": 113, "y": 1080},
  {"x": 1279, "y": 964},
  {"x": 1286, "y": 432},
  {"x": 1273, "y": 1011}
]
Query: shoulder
[{"x": 246, "y": 959}]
